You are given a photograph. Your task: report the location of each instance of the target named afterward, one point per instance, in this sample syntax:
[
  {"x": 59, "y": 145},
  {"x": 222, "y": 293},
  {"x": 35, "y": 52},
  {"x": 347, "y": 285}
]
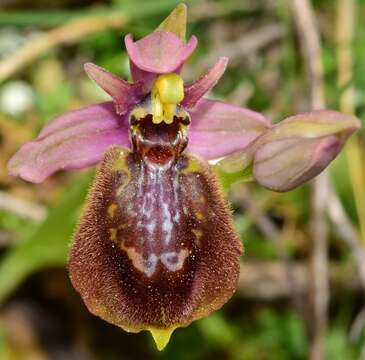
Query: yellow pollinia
[{"x": 167, "y": 92}]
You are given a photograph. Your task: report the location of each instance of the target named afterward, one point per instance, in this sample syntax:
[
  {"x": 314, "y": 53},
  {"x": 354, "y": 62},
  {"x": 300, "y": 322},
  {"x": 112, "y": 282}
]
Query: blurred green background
[{"x": 41, "y": 316}]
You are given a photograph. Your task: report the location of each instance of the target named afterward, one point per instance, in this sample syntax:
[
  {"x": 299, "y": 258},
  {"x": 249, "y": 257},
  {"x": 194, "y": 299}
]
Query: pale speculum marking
[
  {"x": 160, "y": 217},
  {"x": 154, "y": 201},
  {"x": 158, "y": 193},
  {"x": 173, "y": 261},
  {"x": 149, "y": 199},
  {"x": 146, "y": 265}
]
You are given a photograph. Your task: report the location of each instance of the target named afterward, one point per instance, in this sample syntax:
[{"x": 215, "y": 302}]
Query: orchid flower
[{"x": 156, "y": 248}]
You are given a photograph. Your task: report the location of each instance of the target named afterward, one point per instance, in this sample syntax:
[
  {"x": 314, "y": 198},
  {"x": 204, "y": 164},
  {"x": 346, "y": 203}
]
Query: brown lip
[{"x": 159, "y": 154}]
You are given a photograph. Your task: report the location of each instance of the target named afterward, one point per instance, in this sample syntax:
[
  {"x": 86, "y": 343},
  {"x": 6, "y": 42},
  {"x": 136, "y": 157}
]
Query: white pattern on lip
[
  {"x": 167, "y": 224},
  {"x": 169, "y": 210},
  {"x": 172, "y": 260},
  {"x": 150, "y": 265},
  {"x": 158, "y": 221},
  {"x": 147, "y": 266}
]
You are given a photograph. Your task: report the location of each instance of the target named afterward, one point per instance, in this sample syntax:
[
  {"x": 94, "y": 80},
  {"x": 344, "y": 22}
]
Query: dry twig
[
  {"x": 65, "y": 34},
  {"x": 310, "y": 42},
  {"x": 346, "y": 10},
  {"x": 22, "y": 207}
]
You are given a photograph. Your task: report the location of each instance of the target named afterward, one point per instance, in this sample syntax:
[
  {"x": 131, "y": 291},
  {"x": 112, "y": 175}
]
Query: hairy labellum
[{"x": 155, "y": 248}]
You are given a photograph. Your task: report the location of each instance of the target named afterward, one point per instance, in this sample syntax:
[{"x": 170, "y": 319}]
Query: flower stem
[{"x": 346, "y": 10}]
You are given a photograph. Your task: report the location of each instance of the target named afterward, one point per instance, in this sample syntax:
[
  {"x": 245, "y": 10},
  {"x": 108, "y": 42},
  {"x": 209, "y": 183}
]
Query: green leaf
[{"x": 47, "y": 245}]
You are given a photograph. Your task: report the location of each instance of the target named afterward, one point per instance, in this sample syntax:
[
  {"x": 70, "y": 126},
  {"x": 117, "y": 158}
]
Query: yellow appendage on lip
[
  {"x": 161, "y": 336},
  {"x": 167, "y": 92}
]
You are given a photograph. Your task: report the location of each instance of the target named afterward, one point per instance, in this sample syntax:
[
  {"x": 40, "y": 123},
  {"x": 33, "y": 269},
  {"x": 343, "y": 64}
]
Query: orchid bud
[{"x": 300, "y": 147}]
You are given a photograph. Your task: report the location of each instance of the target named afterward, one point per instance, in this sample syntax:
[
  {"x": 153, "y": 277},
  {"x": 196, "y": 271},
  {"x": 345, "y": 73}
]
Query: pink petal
[
  {"x": 286, "y": 164},
  {"x": 75, "y": 140},
  {"x": 295, "y": 149},
  {"x": 218, "y": 129},
  {"x": 197, "y": 89},
  {"x": 300, "y": 147},
  {"x": 158, "y": 53},
  {"x": 123, "y": 93},
  {"x": 317, "y": 123}
]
